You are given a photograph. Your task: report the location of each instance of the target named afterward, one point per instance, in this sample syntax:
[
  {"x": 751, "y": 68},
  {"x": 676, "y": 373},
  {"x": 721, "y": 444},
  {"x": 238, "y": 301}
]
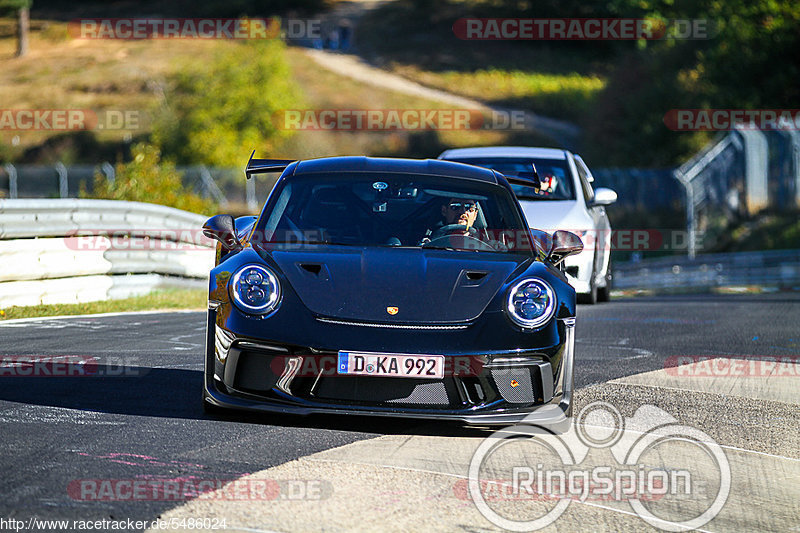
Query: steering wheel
[
  {"x": 450, "y": 229},
  {"x": 459, "y": 242}
]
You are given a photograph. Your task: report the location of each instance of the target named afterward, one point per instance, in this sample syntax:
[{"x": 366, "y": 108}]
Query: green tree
[
  {"x": 22, "y": 9},
  {"x": 219, "y": 110},
  {"x": 749, "y": 60},
  {"x": 148, "y": 178}
]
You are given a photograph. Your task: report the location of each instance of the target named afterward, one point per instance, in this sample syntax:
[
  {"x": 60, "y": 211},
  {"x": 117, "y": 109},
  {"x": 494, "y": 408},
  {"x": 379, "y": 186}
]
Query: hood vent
[{"x": 316, "y": 271}]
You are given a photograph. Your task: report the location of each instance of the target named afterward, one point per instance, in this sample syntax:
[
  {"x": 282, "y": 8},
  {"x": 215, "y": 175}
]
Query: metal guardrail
[
  {"x": 65, "y": 251},
  {"x": 738, "y": 175},
  {"x": 774, "y": 268},
  {"x": 59, "y": 218},
  {"x": 223, "y": 185}
]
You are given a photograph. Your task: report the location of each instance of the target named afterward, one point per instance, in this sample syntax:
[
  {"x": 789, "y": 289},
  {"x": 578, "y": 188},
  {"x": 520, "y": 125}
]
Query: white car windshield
[{"x": 556, "y": 183}]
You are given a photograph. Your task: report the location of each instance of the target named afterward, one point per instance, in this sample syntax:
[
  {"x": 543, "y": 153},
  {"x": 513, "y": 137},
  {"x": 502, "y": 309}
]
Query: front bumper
[{"x": 242, "y": 381}]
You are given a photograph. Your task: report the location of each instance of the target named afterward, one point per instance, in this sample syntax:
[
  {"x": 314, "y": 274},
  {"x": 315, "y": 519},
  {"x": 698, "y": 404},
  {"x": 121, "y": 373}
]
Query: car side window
[{"x": 583, "y": 175}]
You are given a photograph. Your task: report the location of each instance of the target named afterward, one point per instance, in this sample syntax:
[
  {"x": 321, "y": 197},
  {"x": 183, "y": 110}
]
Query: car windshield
[
  {"x": 553, "y": 172},
  {"x": 402, "y": 210}
]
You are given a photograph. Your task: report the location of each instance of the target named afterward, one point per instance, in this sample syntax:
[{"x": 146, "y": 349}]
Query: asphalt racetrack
[{"x": 138, "y": 416}]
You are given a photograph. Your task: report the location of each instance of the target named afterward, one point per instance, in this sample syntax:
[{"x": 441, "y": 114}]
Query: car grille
[
  {"x": 263, "y": 370},
  {"x": 383, "y": 390}
]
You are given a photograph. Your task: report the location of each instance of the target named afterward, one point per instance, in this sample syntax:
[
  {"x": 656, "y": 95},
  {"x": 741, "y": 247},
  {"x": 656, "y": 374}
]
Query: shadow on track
[{"x": 176, "y": 393}]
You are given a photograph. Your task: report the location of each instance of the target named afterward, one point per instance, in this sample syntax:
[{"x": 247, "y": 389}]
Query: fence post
[
  {"x": 794, "y": 137},
  {"x": 690, "y": 218},
  {"x": 63, "y": 184},
  {"x": 111, "y": 175},
  {"x": 250, "y": 189},
  {"x": 12, "y": 180},
  {"x": 756, "y": 161},
  {"x": 211, "y": 186}
]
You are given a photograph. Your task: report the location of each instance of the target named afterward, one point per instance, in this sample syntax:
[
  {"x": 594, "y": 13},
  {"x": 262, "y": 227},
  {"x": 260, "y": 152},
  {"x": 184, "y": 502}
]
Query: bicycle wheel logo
[{"x": 674, "y": 477}]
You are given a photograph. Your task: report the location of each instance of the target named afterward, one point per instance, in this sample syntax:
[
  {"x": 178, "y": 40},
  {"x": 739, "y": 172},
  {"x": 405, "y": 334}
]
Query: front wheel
[
  {"x": 604, "y": 293},
  {"x": 590, "y": 297}
]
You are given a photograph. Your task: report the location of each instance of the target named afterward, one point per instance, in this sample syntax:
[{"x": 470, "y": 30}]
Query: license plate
[{"x": 391, "y": 365}]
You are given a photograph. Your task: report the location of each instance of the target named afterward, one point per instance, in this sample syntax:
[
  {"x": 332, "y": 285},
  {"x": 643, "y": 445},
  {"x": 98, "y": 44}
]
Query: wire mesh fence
[
  {"x": 735, "y": 176},
  {"x": 227, "y": 186}
]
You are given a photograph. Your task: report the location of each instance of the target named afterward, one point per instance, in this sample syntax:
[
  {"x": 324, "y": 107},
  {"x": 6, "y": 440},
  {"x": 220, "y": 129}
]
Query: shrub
[
  {"x": 220, "y": 109},
  {"x": 148, "y": 178}
]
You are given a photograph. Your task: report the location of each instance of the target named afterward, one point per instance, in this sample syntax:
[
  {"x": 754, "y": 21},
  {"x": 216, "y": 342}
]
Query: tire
[
  {"x": 590, "y": 297},
  {"x": 604, "y": 293}
]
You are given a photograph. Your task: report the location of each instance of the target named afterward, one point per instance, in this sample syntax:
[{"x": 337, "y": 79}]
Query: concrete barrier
[
  {"x": 778, "y": 269},
  {"x": 72, "y": 251}
]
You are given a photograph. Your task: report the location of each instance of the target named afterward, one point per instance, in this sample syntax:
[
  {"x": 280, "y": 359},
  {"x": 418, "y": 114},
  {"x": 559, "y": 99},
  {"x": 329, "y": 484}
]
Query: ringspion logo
[{"x": 674, "y": 477}]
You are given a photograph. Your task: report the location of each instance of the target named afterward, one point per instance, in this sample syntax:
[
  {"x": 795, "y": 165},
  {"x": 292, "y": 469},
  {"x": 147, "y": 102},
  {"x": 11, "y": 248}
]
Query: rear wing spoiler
[{"x": 263, "y": 166}]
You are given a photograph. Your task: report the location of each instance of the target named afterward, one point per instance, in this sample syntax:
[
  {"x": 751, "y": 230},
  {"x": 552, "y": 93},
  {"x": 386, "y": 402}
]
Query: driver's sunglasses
[{"x": 456, "y": 206}]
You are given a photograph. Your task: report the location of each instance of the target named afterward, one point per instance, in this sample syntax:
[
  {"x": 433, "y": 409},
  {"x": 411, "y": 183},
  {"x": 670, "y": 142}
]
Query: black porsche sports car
[{"x": 390, "y": 287}]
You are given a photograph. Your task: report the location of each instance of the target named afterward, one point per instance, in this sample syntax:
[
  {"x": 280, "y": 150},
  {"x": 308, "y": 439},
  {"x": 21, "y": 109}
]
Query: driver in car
[{"x": 458, "y": 217}]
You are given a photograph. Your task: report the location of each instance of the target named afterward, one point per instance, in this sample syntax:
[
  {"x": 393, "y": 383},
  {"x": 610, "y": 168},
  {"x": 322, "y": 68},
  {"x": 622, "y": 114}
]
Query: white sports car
[{"x": 565, "y": 201}]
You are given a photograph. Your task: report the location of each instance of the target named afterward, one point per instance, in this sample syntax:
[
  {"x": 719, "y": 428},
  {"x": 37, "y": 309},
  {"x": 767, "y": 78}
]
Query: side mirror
[
  {"x": 603, "y": 196},
  {"x": 564, "y": 245},
  {"x": 222, "y": 228}
]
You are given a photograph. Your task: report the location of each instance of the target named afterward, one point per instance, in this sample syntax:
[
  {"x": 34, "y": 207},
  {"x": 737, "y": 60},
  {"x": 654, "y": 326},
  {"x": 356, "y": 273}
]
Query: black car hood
[{"x": 426, "y": 286}]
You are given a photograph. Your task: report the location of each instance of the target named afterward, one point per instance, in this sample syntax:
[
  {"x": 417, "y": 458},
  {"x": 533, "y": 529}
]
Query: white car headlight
[
  {"x": 531, "y": 303},
  {"x": 255, "y": 289}
]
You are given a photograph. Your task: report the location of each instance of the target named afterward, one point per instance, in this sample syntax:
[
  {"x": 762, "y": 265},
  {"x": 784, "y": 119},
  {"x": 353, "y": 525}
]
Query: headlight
[
  {"x": 531, "y": 303},
  {"x": 255, "y": 289}
]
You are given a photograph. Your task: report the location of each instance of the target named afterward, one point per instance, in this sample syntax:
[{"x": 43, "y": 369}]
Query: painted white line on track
[
  {"x": 759, "y": 378},
  {"x": 15, "y": 321}
]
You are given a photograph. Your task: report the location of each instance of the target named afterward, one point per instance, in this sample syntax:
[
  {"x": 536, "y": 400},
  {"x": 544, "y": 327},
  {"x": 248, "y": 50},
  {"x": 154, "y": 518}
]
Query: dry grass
[
  {"x": 166, "y": 299},
  {"x": 60, "y": 72},
  {"x": 64, "y": 73},
  {"x": 326, "y": 90}
]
